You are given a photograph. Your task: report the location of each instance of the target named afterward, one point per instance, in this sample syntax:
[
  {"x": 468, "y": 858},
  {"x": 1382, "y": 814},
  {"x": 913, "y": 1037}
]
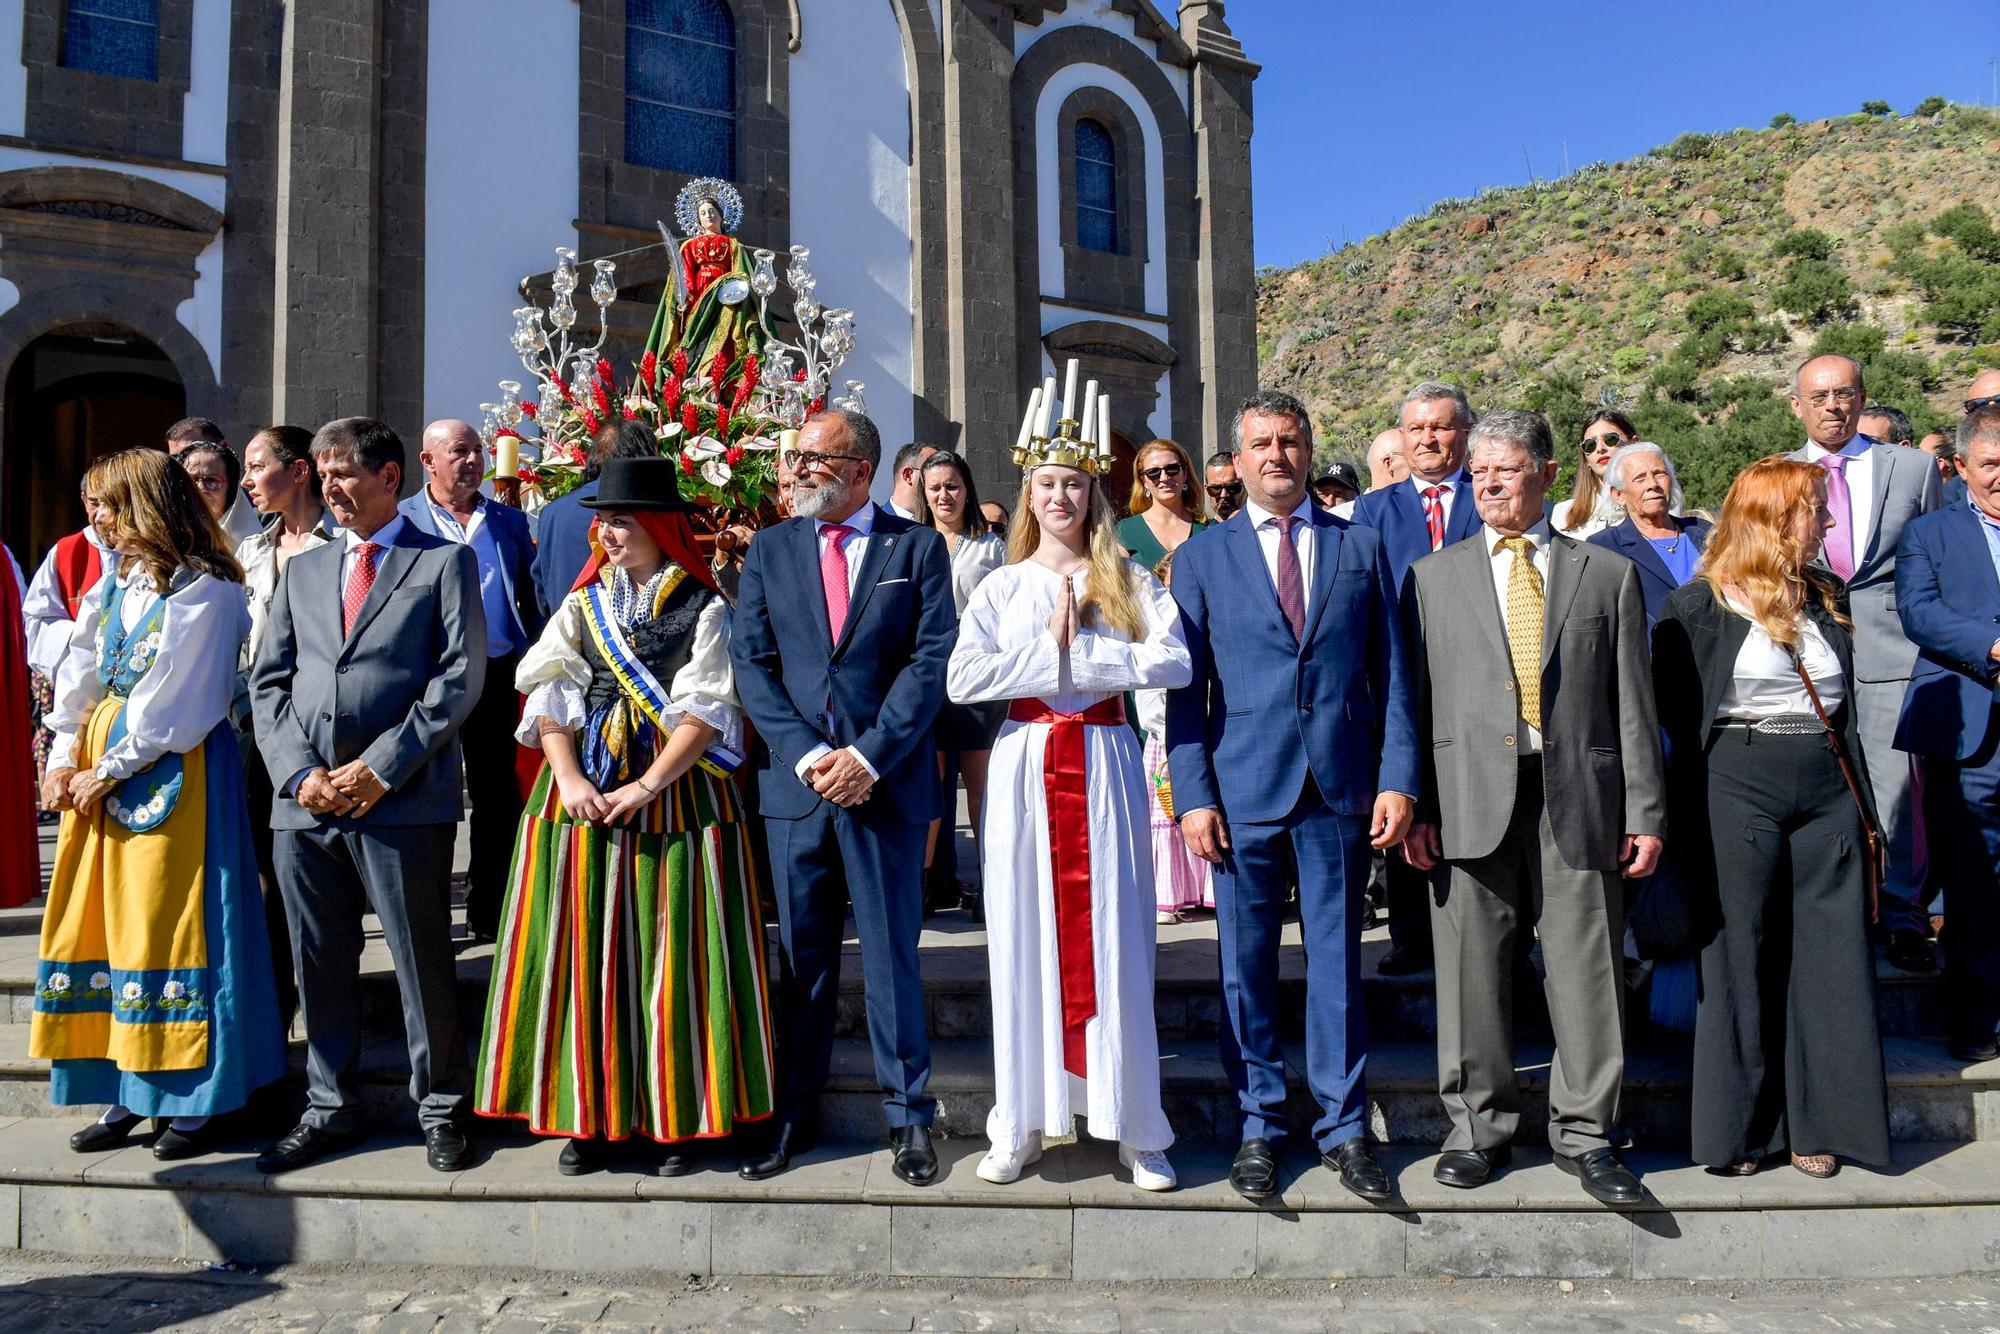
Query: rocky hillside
[{"x": 1681, "y": 286}]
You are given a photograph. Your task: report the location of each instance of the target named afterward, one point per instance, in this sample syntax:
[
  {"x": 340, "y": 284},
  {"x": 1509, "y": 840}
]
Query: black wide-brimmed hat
[{"x": 638, "y": 484}]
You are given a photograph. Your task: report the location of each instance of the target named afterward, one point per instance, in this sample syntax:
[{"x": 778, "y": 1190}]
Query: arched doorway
[{"x": 74, "y": 395}]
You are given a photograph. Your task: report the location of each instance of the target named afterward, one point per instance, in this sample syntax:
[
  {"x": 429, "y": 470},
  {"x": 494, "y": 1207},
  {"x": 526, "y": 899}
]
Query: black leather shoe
[
  {"x": 579, "y": 1157},
  {"x": 793, "y": 1138},
  {"x": 911, "y": 1154},
  {"x": 1969, "y": 1050},
  {"x": 1912, "y": 951},
  {"x": 1604, "y": 1178},
  {"x": 102, "y": 1136},
  {"x": 306, "y": 1144},
  {"x": 1467, "y": 1168},
  {"x": 670, "y": 1165},
  {"x": 1399, "y": 962},
  {"x": 447, "y": 1149},
  {"x": 1359, "y": 1171},
  {"x": 174, "y": 1145},
  {"x": 1255, "y": 1171}
]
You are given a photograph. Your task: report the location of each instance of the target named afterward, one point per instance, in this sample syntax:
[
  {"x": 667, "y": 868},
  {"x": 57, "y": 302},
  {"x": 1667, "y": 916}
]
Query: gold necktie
[{"x": 1524, "y": 627}]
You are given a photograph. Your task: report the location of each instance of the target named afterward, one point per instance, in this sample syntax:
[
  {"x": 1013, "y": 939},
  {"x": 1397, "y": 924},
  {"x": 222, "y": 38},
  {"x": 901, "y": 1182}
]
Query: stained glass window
[
  {"x": 120, "y": 37},
  {"x": 680, "y": 86},
  {"x": 1096, "y": 187}
]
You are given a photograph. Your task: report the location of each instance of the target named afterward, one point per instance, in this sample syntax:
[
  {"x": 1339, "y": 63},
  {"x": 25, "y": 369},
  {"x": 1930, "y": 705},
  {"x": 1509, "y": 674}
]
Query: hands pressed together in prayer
[{"x": 1063, "y": 621}]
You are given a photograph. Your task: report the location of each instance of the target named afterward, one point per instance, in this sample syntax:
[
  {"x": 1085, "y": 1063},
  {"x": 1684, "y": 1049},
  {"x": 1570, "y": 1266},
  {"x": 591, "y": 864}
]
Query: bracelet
[
  {"x": 640, "y": 783},
  {"x": 546, "y": 726}
]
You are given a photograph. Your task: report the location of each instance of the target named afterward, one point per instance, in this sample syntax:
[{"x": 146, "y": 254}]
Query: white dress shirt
[
  {"x": 855, "y": 547},
  {"x": 1860, "y": 474},
  {"x": 1764, "y": 683},
  {"x": 259, "y": 558},
  {"x": 385, "y": 536},
  {"x": 1501, "y": 561},
  {"x": 1448, "y": 491},
  {"x": 1266, "y": 525}
]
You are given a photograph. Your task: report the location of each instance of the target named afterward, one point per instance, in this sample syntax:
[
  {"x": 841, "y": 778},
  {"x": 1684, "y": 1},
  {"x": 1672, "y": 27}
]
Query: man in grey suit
[
  {"x": 1873, "y": 489},
  {"x": 374, "y": 654},
  {"x": 1543, "y": 782}
]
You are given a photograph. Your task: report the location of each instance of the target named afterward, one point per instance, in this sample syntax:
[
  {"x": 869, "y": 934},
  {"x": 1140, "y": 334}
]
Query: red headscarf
[{"x": 675, "y": 535}]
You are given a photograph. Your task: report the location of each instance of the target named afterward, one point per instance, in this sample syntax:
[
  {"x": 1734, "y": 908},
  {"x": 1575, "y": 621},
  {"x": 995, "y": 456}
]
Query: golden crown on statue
[{"x": 1080, "y": 439}]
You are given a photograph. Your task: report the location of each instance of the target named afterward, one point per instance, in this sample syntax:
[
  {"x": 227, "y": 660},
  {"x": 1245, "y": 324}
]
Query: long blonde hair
[
  {"x": 1110, "y": 586},
  {"x": 1192, "y": 495},
  {"x": 1754, "y": 550},
  {"x": 157, "y": 514}
]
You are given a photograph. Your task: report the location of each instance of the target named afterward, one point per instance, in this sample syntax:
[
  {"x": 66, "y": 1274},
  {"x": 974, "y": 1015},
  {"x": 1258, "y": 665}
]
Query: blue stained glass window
[
  {"x": 120, "y": 37},
  {"x": 1096, "y": 188},
  {"x": 680, "y": 86}
]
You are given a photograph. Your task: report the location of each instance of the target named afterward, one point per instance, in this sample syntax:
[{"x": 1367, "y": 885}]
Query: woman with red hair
[
  {"x": 628, "y": 993},
  {"x": 1754, "y": 672}
]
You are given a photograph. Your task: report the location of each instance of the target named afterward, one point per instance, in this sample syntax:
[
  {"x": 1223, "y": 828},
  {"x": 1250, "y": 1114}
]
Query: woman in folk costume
[
  {"x": 1061, "y": 633},
  {"x": 628, "y": 993},
  {"x": 154, "y": 990}
]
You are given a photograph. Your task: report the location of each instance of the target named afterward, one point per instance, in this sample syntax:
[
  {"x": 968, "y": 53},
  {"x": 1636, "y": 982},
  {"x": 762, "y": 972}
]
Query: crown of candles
[{"x": 1080, "y": 438}]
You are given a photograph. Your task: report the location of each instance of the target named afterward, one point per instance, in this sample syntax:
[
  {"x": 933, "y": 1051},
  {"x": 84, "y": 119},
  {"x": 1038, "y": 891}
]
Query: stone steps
[{"x": 841, "y": 1212}]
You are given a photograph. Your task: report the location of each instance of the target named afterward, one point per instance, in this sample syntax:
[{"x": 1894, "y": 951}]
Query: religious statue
[{"x": 705, "y": 310}]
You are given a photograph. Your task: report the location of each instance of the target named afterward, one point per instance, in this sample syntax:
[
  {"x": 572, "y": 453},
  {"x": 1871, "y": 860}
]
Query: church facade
[{"x": 265, "y": 212}]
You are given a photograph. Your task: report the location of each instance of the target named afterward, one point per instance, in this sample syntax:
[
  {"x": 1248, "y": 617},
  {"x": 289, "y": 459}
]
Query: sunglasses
[
  {"x": 1609, "y": 440},
  {"x": 1225, "y": 490},
  {"x": 1986, "y": 401},
  {"x": 1166, "y": 472}
]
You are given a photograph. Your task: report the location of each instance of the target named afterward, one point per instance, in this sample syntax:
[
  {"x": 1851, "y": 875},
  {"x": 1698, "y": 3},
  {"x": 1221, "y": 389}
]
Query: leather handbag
[{"x": 1878, "y": 851}]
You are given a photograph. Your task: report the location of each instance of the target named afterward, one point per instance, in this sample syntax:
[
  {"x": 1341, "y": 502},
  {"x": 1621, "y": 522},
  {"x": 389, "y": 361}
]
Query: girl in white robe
[{"x": 1061, "y": 634}]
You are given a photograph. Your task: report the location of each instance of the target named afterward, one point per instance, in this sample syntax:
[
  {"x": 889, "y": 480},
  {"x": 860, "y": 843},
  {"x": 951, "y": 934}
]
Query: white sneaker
[
  {"x": 1001, "y": 1167},
  {"x": 1150, "y": 1168}
]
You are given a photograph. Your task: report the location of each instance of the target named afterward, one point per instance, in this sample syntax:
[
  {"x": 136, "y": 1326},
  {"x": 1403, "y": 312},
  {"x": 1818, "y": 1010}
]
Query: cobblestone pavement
[{"x": 40, "y": 1293}]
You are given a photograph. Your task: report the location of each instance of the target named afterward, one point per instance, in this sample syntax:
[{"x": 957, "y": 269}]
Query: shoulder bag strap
[{"x": 1868, "y": 829}]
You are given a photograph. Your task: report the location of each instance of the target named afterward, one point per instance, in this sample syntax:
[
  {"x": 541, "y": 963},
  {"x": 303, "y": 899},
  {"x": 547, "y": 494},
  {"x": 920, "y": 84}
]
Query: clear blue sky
[{"x": 1367, "y": 112}]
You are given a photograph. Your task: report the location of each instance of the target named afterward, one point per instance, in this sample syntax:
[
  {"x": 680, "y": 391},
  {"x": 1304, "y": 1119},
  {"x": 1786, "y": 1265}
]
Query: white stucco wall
[
  {"x": 1101, "y": 15},
  {"x": 205, "y": 108},
  {"x": 1048, "y": 178},
  {"x": 500, "y": 185},
  {"x": 13, "y": 74},
  {"x": 850, "y": 117}
]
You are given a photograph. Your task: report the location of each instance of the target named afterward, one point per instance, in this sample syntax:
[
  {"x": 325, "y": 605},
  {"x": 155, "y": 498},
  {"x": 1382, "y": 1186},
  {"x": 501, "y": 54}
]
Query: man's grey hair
[
  {"x": 1901, "y": 432},
  {"x": 1614, "y": 471},
  {"x": 1852, "y": 364},
  {"x": 1515, "y": 426},
  {"x": 867, "y": 439},
  {"x": 1271, "y": 403},
  {"x": 1430, "y": 391},
  {"x": 1979, "y": 424}
]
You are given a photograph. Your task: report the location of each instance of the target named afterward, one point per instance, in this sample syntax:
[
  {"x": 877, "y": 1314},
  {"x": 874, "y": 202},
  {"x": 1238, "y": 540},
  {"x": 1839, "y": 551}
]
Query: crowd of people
[{"x": 1567, "y": 745}]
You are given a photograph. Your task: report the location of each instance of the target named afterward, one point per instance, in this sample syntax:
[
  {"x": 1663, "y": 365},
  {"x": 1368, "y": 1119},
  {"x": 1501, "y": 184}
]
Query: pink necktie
[
  {"x": 833, "y": 576},
  {"x": 1291, "y": 584},
  {"x": 359, "y": 581},
  {"x": 1840, "y": 540},
  {"x": 1434, "y": 514}
]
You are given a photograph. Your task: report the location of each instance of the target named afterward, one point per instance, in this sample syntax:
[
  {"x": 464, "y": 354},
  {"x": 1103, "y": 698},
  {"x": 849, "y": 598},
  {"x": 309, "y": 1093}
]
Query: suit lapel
[
  {"x": 1566, "y": 559},
  {"x": 873, "y": 561},
  {"x": 1977, "y": 554},
  {"x": 1326, "y": 536},
  {"x": 1464, "y": 521},
  {"x": 1251, "y": 570},
  {"x": 805, "y": 558},
  {"x": 1642, "y": 554},
  {"x": 390, "y": 568},
  {"x": 1884, "y": 457},
  {"x": 1471, "y": 569}
]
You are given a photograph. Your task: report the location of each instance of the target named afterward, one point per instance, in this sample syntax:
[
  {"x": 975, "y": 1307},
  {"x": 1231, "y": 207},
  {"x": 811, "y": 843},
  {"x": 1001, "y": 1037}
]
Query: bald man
[
  {"x": 450, "y": 506},
  {"x": 1984, "y": 391},
  {"x": 1387, "y": 462}
]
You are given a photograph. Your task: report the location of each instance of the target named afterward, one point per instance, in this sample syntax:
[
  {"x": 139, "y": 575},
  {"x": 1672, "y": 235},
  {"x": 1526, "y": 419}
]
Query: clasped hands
[
  {"x": 841, "y": 778},
  {"x": 72, "y": 789},
  {"x": 352, "y": 789}
]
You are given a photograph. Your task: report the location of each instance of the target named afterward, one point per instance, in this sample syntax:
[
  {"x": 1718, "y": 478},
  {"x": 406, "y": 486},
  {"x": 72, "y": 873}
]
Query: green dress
[{"x": 1141, "y": 544}]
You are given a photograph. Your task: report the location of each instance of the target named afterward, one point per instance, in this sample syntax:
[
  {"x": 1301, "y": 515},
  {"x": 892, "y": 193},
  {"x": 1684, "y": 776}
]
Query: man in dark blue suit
[
  {"x": 450, "y": 506},
  {"x": 1948, "y": 595},
  {"x": 844, "y": 624},
  {"x": 562, "y": 529},
  {"x": 1429, "y": 509},
  {"x": 1292, "y": 752}
]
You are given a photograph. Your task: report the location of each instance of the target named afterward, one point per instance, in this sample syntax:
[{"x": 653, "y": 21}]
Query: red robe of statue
[{"x": 20, "y": 853}]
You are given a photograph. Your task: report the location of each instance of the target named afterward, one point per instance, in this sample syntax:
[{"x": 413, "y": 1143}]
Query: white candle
[
  {"x": 1104, "y": 426},
  {"x": 1069, "y": 391},
  {"x": 1028, "y": 419},
  {"x": 506, "y": 457},
  {"x": 1048, "y": 406},
  {"x": 1087, "y": 428}
]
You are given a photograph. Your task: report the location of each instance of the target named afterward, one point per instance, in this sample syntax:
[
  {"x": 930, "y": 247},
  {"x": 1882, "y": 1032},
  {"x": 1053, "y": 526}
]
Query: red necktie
[
  {"x": 1291, "y": 584},
  {"x": 833, "y": 576},
  {"x": 1434, "y": 514},
  {"x": 359, "y": 581}
]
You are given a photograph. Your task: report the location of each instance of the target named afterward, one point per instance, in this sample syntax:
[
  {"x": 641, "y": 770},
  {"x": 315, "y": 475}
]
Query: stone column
[
  {"x": 327, "y": 209},
  {"x": 983, "y": 399},
  {"x": 1226, "y": 268}
]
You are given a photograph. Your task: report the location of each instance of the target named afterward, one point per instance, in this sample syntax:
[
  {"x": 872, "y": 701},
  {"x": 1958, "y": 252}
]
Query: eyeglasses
[
  {"x": 807, "y": 460},
  {"x": 1166, "y": 472},
  {"x": 1846, "y": 396},
  {"x": 1609, "y": 440},
  {"x": 1225, "y": 490},
  {"x": 1985, "y": 401},
  {"x": 206, "y": 483}
]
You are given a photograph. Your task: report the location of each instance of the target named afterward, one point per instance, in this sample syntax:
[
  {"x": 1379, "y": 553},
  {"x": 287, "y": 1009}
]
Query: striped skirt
[{"x": 629, "y": 993}]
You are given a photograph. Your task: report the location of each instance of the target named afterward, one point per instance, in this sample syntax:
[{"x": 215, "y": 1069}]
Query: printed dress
[
  {"x": 629, "y": 995},
  {"x": 1181, "y": 881},
  {"x": 154, "y": 987}
]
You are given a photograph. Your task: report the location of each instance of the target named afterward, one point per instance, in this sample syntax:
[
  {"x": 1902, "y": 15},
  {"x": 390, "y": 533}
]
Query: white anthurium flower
[
  {"x": 716, "y": 473},
  {"x": 639, "y": 403},
  {"x": 705, "y": 447},
  {"x": 668, "y": 431},
  {"x": 757, "y": 442}
]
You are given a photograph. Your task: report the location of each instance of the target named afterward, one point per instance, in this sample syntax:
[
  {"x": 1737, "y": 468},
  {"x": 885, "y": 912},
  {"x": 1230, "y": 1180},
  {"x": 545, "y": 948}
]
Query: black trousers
[
  {"x": 1408, "y": 895},
  {"x": 1962, "y": 820},
  {"x": 1786, "y": 1050},
  {"x": 487, "y": 740}
]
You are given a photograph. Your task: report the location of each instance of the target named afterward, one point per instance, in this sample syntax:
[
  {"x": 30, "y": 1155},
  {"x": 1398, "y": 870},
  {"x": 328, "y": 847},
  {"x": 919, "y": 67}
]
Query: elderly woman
[
  {"x": 1754, "y": 671},
  {"x": 1590, "y": 508},
  {"x": 1165, "y": 503},
  {"x": 1653, "y": 536}
]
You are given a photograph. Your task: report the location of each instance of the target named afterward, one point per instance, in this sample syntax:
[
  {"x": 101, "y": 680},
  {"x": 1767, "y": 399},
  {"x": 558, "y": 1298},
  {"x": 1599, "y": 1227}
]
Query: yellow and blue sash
[{"x": 609, "y": 743}]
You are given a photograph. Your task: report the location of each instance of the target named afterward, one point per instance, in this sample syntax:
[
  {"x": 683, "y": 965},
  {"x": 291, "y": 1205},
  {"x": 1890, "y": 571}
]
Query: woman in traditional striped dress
[{"x": 629, "y": 994}]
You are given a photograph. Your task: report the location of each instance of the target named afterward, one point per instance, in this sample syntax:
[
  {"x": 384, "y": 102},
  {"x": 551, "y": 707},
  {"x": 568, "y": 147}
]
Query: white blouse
[
  {"x": 971, "y": 561},
  {"x": 1764, "y": 684},
  {"x": 1607, "y": 514},
  {"x": 179, "y": 701},
  {"x": 554, "y": 674},
  {"x": 258, "y": 555},
  {"x": 47, "y": 614}
]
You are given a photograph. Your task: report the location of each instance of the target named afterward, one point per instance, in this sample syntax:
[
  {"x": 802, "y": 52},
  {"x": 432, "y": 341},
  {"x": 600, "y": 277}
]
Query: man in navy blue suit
[
  {"x": 1292, "y": 752},
  {"x": 844, "y": 624},
  {"x": 1948, "y": 595},
  {"x": 450, "y": 506},
  {"x": 1429, "y": 509}
]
